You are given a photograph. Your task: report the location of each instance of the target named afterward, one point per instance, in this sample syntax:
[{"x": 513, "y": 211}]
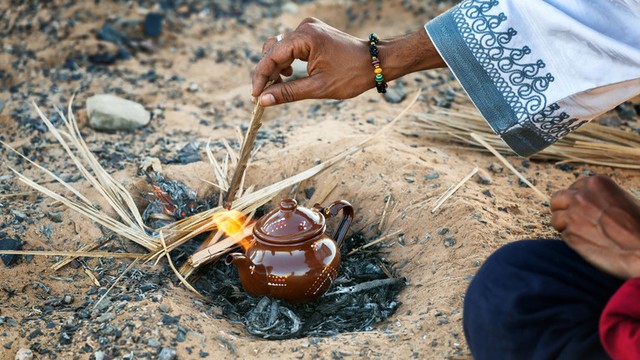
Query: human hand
[
  {"x": 601, "y": 222},
  {"x": 338, "y": 64}
]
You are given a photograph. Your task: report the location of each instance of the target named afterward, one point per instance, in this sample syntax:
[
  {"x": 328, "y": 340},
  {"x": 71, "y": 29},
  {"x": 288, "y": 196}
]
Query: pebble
[
  {"x": 165, "y": 308},
  {"x": 99, "y": 355},
  {"x": 68, "y": 299},
  {"x": 395, "y": 94},
  {"x": 290, "y": 7},
  {"x": 432, "y": 176},
  {"x": 449, "y": 242},
  {"x": 110, "y": 112},
  {"x": 167, "y": 354},
  {"x": 495, "y": 168},
  {"x": 9, "y": 244},
  {"x": 55, "y": 216},
  {"x": 103, "y": 305},
  {"x": 153, "y": 24},
  {"x": 106, "y": 317},
  {"x": 483, "y": 177},
  {"x": 153, "y": 343},
  {"x": 24, "y": 354},
  {"x": 193, "y": 87},
  {"x": 299, "y": 69}
]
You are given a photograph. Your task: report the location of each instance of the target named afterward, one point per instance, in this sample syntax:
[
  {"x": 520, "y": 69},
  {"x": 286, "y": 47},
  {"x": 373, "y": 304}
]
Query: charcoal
[{"x": 361, "y": 296}]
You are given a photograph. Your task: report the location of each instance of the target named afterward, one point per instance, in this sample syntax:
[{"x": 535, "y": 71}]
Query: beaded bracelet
[{"x": 381, "y": 85}]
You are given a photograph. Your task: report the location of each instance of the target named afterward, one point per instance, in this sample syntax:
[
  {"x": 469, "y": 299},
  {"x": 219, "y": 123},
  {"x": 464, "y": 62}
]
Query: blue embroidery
[{"x": 521, "y": 83}]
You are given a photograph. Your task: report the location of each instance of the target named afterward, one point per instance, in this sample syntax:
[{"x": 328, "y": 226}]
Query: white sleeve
[{"x": 537, "y": 69}]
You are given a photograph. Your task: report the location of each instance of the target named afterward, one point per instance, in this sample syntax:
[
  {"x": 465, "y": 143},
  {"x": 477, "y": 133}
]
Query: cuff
[{"x": 458, "y": 47}]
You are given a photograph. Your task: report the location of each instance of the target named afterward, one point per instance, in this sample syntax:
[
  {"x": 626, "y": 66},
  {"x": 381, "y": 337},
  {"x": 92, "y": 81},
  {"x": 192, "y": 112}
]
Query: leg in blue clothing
[{"x": 536, "y": 299}]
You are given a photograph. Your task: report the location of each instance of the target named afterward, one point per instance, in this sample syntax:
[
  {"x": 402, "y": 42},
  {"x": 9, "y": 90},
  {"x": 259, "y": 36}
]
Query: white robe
[{"x": 536, "y": 69}]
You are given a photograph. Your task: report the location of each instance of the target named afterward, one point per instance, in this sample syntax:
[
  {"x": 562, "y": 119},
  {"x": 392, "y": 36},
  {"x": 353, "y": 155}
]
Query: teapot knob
[{"x": 288, "y": 204}]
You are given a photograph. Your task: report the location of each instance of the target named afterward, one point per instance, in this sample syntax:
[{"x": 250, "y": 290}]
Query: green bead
[{"x": 379, "y": 77}]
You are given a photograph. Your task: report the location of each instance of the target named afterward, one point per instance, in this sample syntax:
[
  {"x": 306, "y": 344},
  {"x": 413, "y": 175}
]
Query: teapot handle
[{"x": 347, "y": 216}]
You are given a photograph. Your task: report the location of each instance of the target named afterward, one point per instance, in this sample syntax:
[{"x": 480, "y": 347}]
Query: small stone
[
  {"x": 495, "y": 168},
  {"x": 164, "y": 307},
  {"x": 483, "y": 177},
  {"x": 153, "y": 24},
  {"x": 24, "y": 354},
  {"x": 308, "y": 192},
  {"x": 443, "y": 231},
  {"x": 99, "y": 355},
  {"x": 103, "y": 305},
  {"x": 299, "y": 69},
  {"x": 193, "y": 87},
  {"x": 290, "y": 7},
  {"x": 9, "y": 244},
  {"x": 19, "y": 215},
  {"x": 106, "y": 317},
  {"x": 153, "y": 342},
  {"x": 449, "y": 242},
  {"x": 432, "y": 176},
  {"x": 8, "y": 345},
  {"x": 55, "y": 216},
  {"x": 110, "y": 112},
  {"x": 68, "y": 299},
  {"x": 395, "y": 94},
  {"x": 410, "y": 179},
  {"x": 167, "y": 354}
]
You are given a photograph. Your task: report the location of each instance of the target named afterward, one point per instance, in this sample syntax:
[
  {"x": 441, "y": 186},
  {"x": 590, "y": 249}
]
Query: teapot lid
[{"x": 289, "y": 224}]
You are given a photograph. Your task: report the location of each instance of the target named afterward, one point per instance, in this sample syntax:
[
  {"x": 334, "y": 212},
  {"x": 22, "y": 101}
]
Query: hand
[
  {"x": 601, "y": 222},
  {"x": 338, "y": 64}
]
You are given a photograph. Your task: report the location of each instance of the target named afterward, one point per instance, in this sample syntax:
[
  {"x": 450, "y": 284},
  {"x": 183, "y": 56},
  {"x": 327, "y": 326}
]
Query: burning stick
[{"x": 245, "y": 152}]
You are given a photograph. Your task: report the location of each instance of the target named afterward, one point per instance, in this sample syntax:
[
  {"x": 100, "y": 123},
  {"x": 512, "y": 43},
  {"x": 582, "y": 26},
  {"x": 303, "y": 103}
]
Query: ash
[{"x": 362, "y": 295}]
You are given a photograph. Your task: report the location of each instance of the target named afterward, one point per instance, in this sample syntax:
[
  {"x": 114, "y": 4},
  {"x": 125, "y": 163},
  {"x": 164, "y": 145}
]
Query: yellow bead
[
  {"x": 378, "y": 71},
  {"x": 373, "y": 58}
]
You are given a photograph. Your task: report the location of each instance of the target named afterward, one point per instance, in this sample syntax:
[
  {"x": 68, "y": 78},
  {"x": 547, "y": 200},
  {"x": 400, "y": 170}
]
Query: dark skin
[
  {"x": 339, "y": 65},
  {"x": 601, "y": 222},
  {"x": 595, "y": 217}
]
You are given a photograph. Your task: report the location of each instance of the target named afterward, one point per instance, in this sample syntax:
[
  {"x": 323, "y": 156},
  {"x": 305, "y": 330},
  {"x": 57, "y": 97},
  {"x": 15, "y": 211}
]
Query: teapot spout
[{"x": 237, "y": 258}]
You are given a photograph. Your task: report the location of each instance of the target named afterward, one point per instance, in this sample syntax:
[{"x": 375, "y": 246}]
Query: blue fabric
[{"x": 536, "y": 299}]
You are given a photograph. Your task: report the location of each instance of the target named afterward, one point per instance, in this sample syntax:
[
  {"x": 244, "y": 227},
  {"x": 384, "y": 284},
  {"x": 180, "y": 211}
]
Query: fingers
[
  {"x": 562, "y": 200},
  {"x": 286, "y": 92},
  {"x": 559, "y": 220},
  {"x": 277, "y": 60}
]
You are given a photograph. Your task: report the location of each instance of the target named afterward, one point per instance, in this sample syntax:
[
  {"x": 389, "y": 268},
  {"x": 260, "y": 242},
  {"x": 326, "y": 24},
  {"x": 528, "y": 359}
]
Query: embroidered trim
[{"x": 521, "y": 83}]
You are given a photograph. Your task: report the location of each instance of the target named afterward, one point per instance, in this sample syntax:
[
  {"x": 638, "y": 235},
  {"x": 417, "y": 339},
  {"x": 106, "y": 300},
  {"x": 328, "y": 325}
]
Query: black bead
[
  {"x": 373, "y": 50},
  {"x": 381, "y": 87},
  {"x": 373, "y": 38}
]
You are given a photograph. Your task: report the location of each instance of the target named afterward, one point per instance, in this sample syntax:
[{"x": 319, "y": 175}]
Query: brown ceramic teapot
[{"x": 290, "y": 256}]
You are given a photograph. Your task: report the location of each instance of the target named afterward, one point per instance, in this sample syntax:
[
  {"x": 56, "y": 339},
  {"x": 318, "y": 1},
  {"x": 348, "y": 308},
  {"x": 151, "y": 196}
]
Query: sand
[{"x": 475, "y": 221}]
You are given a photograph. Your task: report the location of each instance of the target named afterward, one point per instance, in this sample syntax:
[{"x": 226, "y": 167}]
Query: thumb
[{"x": 290, "y": 91}]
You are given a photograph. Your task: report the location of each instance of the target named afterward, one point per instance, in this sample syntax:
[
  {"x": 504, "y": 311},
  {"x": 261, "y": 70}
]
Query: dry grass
[
  {"x": 127, "y": 221},
  {"x": 591, "y": 144}
]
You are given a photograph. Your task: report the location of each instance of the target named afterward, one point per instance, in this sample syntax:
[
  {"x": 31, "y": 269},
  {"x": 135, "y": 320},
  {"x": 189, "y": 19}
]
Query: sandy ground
[{"x": 428, "y": 325}]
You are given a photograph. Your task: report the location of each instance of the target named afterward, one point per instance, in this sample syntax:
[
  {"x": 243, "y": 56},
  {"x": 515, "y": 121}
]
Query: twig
[
  {"x": 454, "y": 189},
  {"x": 384, "y": 212},
  {"x": 182, "y": 280},
  {"x": 115, "y": 282},
  {"x": 95, "y": 254},
  {"x": 366, "y": 286},
  {"x": 245, "y": 152},
  {"x": 376, "y": 241},
  {"x": 506, "y": 163},
  {"x": 92, "y": 277}
]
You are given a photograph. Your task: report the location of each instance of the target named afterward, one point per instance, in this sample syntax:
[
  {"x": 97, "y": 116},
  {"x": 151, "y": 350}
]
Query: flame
[{"x": 234, "y": 224}]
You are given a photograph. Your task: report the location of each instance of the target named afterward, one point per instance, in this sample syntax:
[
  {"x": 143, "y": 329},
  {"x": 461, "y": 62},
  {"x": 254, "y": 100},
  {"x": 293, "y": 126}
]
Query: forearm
[{"x": 407, "y": 54}]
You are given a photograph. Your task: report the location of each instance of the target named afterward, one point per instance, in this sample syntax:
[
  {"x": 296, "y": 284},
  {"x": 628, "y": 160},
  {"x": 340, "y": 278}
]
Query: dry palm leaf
[
  {"x": 591, "y": 144},
  {"x": 128, "y": 222}
]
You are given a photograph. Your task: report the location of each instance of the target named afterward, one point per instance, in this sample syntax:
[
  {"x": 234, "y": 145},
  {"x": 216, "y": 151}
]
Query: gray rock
[
  {"x": 106, "y": 317},
  {"x": 496, "y": 168},
  {"x": 167, "y": 354},
  {"x": 103, "y": 305},
  {"x": 449, "y": 242},
  {"x": 99, "y": 355},
  {"x": 153, "y": 342},
  {"x": 24, "y": 354},
  {"x": 164, "y": 307},
  {"x": 299, "y": 69},
  {"x": 110, "y": 112},
  {"x": 290, "y": 7},
  {"x": 483, "y": 177},
  {"x": 431, "y": 176},
  {"x": 395, "y": 94}
]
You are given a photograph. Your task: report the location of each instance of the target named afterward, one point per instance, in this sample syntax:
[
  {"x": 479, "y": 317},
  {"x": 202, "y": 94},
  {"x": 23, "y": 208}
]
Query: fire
[{"x": 235, "y": 225}]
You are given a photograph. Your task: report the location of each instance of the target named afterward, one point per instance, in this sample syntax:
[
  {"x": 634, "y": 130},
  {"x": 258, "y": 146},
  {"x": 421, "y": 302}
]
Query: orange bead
[{"x": 378, "y": 71}]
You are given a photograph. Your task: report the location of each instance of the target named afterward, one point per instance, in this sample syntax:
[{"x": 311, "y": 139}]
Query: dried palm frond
[
  {"x": 128, "y": 222},
  {"x": 591, "y": 144}
]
